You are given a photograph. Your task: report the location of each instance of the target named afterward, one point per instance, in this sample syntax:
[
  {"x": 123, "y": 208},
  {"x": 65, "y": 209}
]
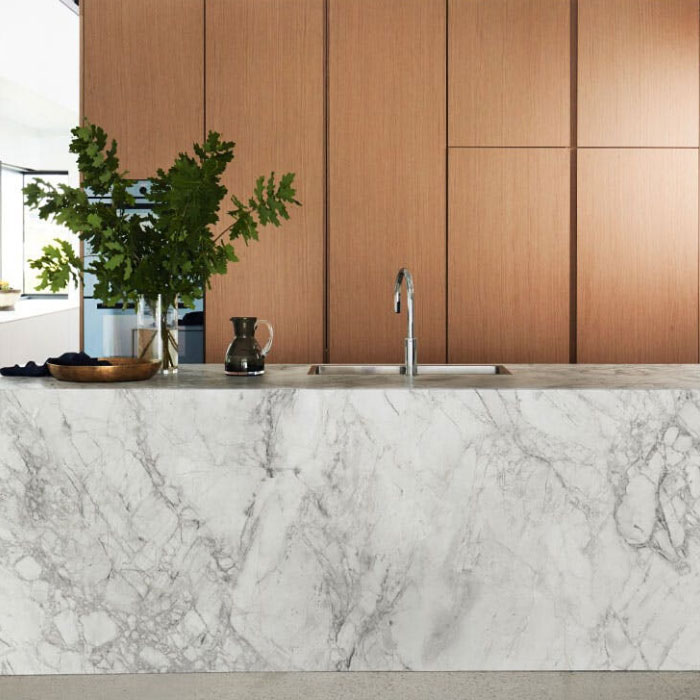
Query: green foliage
[
  {"x": 173, "y": 250},
  {"x": 58, "y": 264}
]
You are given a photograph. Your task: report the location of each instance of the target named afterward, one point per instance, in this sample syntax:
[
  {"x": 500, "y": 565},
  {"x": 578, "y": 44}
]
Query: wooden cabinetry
[
  {"x": 386, "y": 159},
  {"x": 637, "y": 255},
  {"x": 509, "y": 72},
  {"x": 637, "y": 204},
  {"x": 638, "y": 73},
  {"x": 352, "y": 95},
  {"x": 509, "y": 255},
  {"x": 265, "y": 90},
  {"x": 143, "y": 77}
]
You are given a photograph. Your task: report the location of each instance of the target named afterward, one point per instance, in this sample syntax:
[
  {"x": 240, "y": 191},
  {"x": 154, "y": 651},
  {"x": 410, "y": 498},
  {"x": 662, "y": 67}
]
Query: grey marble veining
[{"x": 144, "y": 529}]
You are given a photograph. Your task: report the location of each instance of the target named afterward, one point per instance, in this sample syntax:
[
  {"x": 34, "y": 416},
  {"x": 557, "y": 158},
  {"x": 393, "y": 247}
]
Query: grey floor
[{"x": 358, "y": 686}]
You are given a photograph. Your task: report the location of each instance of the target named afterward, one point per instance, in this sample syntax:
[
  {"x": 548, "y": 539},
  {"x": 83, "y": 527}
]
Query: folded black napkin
[{"x": 31, "y": 369}]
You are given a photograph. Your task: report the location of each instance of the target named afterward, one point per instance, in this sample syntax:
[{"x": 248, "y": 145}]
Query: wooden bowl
[{"x": 122, "y": 369}]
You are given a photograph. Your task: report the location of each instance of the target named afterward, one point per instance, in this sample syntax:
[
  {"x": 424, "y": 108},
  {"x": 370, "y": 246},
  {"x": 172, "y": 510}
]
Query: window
[
  {"x": 38, "y": 233},
  {"x": 23, "y": 234},
  {"x": 11, "y": 225}
]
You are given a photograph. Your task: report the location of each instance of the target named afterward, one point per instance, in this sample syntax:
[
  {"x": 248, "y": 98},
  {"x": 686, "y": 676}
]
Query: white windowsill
[{"x": 29, "y": 308}]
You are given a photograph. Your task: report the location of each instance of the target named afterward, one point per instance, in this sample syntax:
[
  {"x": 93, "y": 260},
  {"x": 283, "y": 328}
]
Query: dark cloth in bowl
[{"x": 75, "y": 359}]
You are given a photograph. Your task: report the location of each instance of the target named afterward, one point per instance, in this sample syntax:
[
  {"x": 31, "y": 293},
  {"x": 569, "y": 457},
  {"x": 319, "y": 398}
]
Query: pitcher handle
[{"x": 268, "y": 345}]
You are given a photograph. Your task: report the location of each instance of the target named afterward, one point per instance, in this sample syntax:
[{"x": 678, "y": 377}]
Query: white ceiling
[
  {"x": 40, "y": 50},
  {"x": 39, "y": 80}
]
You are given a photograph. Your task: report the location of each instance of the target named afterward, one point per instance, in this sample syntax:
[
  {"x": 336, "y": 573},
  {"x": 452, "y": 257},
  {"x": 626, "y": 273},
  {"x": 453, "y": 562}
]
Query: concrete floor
[{"x": 358, "y": 686}]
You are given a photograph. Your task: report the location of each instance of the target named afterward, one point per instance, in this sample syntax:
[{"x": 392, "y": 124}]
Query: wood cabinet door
[
  {"x": 509, "y": 72},
  {"x": 143, "y": 77},
  {"x": 265, "y": 90},
  {"x": 637, "y": 255},
  {"x": 638, "y": 73},
  {"x": 509, "y": 255},
  {"x": 386, "y": 160}
]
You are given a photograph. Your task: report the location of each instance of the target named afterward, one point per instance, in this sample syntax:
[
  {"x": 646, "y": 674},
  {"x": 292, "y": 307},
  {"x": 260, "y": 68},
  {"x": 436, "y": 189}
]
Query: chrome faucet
[{"x": 410, "y": 343}]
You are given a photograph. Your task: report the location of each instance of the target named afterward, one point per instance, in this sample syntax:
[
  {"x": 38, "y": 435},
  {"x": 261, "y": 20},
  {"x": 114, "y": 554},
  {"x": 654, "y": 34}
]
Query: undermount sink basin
[{"x": 423, "y": 370}]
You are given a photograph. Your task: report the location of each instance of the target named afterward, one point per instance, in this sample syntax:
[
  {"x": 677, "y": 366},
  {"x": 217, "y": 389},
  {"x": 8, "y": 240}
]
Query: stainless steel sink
[
  {"x": 423, "y": 370},
  {"x": 461, "y": 369},
  {"x": 410, "y": 366}
]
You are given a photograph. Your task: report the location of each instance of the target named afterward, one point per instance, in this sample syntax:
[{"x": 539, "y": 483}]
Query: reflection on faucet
[{"x": 410, "y": 343}]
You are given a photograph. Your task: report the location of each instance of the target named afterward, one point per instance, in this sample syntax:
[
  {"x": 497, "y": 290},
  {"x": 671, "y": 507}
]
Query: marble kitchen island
[{"x": 548, "y": 519}]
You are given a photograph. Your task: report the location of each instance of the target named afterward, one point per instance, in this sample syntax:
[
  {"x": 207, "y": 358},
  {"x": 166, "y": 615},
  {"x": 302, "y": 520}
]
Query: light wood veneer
[
  {"x": 143, "y": 77},
  {"x": 265, "y": 90},
  {"x": 509, "y": 255},
  {"x": 509, "y": 72},
  {"x": 387, "y": 141},
  {"x": 637, "y": 255},
  {"x": 638, "y": 73}
]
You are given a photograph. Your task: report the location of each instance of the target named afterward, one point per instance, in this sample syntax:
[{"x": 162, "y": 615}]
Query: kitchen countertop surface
[
  {"x": 546, "y": 520},
  {"x": 282, "y": 377}
]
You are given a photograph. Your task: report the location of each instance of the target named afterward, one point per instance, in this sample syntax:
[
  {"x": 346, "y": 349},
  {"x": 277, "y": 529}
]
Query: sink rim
[{"x": 425, "y": 370}]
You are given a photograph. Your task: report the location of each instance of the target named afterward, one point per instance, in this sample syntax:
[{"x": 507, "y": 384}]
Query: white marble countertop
[
  {"x": 282, "y": 377},
  {"x": 544, "y": 520}
]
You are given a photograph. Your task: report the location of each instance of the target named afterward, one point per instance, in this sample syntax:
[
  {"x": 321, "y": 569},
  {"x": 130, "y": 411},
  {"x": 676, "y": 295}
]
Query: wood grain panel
[
  {"x": 143, "y": 77},
  {"x": 509, "y": 72},
  {"x": 387, "y": 145},
  {"x": 638, "y": 73},
  {"x": 265, "y": 90},
  {"x": 638, "y": 256},
  {"x": 509, "y": 255}
]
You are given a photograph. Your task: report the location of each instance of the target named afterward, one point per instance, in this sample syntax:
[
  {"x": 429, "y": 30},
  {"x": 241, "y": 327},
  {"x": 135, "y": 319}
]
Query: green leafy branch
[
  {"x": 268, "y": 205},
  {"x": 171, "y": 251},
  {"x": 59, "y": 264}
]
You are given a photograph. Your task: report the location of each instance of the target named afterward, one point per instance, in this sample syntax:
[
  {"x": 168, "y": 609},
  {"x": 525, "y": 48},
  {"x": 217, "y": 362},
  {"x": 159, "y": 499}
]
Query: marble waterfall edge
[{"x": 393, "y": 529}]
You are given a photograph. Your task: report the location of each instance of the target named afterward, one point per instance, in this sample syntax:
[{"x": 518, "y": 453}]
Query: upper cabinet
[
  {"x": 386, "y": 175},
  {"x": 509, "y": 72},
  {"x": 143, "y": 77},
  {"x": 638, "y": 73},
  {"x": 265, "y": 90}
]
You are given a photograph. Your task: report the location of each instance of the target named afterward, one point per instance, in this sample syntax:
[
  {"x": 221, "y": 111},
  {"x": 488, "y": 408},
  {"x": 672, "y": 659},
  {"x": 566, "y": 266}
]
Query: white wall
[
  {"x": 39, "y": 337},
  {"x": 39, "y": 83},
  {"x": 39, "y": 105},
  {"x": 40, "y": 48}
]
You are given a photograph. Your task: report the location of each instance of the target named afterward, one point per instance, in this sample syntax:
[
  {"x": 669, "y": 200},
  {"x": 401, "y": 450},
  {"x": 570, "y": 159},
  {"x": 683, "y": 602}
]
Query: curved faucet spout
[
  {"x": 410, "y": 343},
  {"x": 410, "y": 291}
]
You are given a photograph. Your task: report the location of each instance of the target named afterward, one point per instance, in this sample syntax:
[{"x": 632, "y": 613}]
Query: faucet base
[{"x": 411, "y": 355}]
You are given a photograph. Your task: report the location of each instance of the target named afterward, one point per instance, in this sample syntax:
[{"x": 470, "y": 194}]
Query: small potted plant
[
  {"x": 8, "y": 296},
  {"x": 166, "y": 256}
]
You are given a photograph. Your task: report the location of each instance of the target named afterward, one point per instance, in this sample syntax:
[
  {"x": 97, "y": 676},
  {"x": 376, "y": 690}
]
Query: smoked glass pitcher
[{"x": 244, "y": 358}]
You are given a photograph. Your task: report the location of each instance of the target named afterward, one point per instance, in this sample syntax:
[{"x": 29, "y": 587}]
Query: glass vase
[{"x": 156, "y": 331}]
